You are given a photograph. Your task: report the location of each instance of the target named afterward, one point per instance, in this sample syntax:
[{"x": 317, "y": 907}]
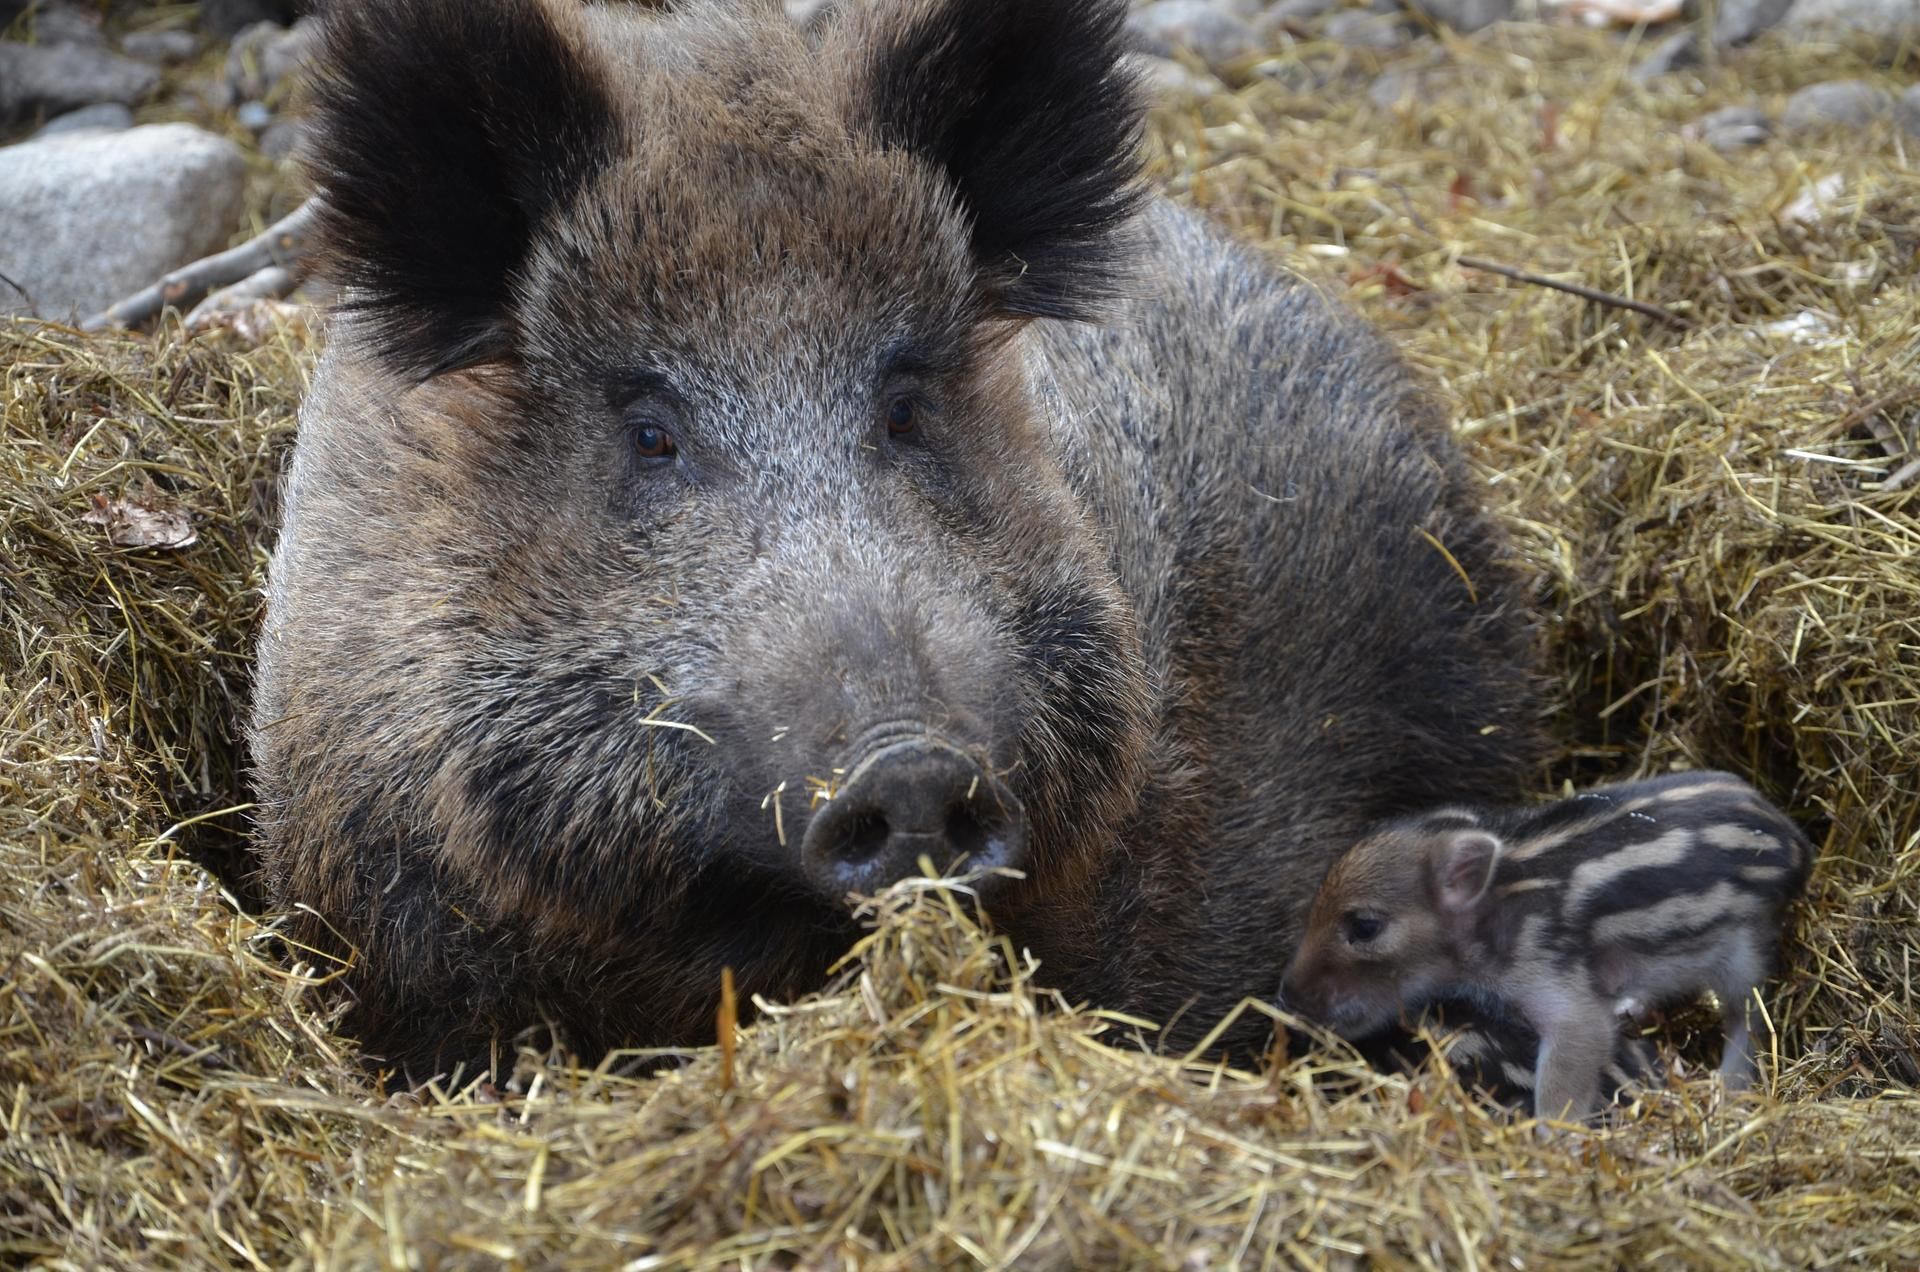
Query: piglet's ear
[
  {"x": 1024, "y": 106},
  {"x": 1463, "y": 863},
  {"x": 445, "y": 132}
]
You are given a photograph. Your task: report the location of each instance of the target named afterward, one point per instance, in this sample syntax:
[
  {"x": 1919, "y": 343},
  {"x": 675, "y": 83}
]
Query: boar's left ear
[
  {"x": 1025, "y": 107},
  {"x": 1463, "y": 863}
]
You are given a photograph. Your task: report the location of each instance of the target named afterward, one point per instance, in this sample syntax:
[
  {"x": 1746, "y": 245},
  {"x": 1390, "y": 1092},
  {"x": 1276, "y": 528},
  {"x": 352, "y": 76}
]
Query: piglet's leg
[
  {"x": 1573, "y": 1051},
  {"x": 1745, "y": 969},
  {"x": 1738, "y": 1065}
]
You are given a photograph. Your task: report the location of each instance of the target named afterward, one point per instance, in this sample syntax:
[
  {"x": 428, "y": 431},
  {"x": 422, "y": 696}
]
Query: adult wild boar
[{"x": 747, "y": 462}]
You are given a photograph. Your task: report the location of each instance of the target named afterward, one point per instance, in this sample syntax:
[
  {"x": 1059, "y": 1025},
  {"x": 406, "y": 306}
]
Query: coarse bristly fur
[
  {"x": 709, "y": 401},
  {"x": 1575, "y": 915}
]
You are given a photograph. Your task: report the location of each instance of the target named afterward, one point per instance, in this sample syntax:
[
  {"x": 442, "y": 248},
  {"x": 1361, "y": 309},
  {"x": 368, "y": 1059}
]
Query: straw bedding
[{"x": 1724, "y": 527}]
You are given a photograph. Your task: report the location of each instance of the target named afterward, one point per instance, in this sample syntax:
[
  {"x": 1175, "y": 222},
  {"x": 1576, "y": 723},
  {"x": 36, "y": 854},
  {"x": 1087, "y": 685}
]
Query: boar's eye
[
  {"x": 902, "y": 416},
  {"x": 1360, "y": 927},
  {"x": 650, "y": 441}
]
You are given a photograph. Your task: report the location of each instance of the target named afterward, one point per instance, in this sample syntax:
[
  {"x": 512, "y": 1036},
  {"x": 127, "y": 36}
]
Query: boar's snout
[{"x": 909, "y": 799}]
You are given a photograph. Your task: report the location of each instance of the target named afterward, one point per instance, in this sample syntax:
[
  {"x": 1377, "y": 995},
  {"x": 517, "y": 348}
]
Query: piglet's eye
[
  {"x": 653, "y": 442},
  {"x": 901, "y": 416},
  {"x": 1360, "y": 928}
]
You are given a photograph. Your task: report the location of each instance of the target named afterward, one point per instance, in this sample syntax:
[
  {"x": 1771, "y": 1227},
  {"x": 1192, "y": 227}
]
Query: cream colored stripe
[{"x": 1694, "y": 911}]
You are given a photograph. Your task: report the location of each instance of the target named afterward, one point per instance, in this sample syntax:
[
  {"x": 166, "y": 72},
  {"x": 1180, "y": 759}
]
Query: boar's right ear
[
  {"x": 1463, "y": 862},
  {"x": 1025, "y": 107},
  {"x": 445, "y": 131}
]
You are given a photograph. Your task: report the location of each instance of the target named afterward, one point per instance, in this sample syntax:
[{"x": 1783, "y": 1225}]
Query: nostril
[
  {"x": 864, "y": 836},
  {"x": 965, "y": 832}
]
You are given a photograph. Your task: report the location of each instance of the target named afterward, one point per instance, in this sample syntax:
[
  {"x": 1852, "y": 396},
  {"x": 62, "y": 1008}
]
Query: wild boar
[
  {"x": 747, "y": 462},
  {"x": 1578, "y": 914}
]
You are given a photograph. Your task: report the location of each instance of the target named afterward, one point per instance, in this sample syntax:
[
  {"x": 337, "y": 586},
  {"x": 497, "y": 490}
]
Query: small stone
[
  {"x": 266, "y": 55},
  {"x": 1306, "y": 76},
  {"x": 100, "y": 117},
  {"x": 168, "y": 48},
  {"x": 60, "y": 25},
  {"x": 281, "y": 139},
  {"x": 87, "y": 218},
  {"x": 1464, "y": 15},
  {"x": 1295, "y": 11},
  {"x": 1906, "y": 111},
  {"x": 1395, "y": 88},
  {"x": 807, "y": 14},
  {"x": 229, "y": 17},
  {"x": 1357, "y": 29},
  {"x": 1166, "y": 79},
  {"x": 1738, "y": 21},
  {"x": 1676, "y": 52},
  {"x": 1889, "y": 19},
  {"x": 57, "y": 79},
  {"x": 1835, "y": 104},
  {"x": 1732, "y": 127},
  {"x": 253, "y": 116},
  {"x": 1169, "y": 27}
]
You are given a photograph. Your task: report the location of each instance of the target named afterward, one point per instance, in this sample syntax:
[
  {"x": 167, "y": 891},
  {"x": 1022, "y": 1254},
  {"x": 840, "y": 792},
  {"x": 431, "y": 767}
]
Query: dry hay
[{"x": 1727, "y": 581}]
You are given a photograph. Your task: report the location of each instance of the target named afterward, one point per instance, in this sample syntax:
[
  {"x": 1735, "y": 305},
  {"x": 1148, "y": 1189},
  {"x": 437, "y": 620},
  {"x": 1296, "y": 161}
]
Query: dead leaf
[
  {"x": 254, "y": 321},
  {"x": 133, "y": 523},
  {"x": 1815, "y": 202},
  {"x": 1389, "y": 276}
]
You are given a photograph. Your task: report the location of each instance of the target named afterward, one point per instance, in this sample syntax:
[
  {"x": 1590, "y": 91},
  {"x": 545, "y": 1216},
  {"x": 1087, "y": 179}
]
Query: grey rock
[
  {"x": 253, "y": 116},
  {"x": 1295, "y": 11},
  {"x": 168, "y": 48},
  {"x": 266, "y": 55},
  {"x": 100, "y": 117},
  {"x": 281, "y": 138},
  {"x": 1464, "y": 15},
  {"x": 229, "y": 17},
  {"x": 1732, "y": 127},
  {"x": 1168, "y": 27},
  {"x": 1837, "y": 103},
  {"x": 1906, "y": 111},
  {"x": 1891, "y": 19},
  {"x": 1740, "y": 20},
  {"x": 1396, "y": 88},
  {"x": 87, "y": 218},
  {"x": 1305, "y": 76},
  {"x": 1166, "y": 78},
  {"x": 55, "y": 79},
  {"x": 58, "y": 24},
  {"x": 1361, "y": 30},
  {"x": 809, "y": 13},
  {"x": 1677, "y": 52}
]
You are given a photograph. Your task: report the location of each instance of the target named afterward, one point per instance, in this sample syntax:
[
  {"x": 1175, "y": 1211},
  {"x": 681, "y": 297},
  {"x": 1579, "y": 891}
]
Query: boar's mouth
[{"x": 905, "y": 798}]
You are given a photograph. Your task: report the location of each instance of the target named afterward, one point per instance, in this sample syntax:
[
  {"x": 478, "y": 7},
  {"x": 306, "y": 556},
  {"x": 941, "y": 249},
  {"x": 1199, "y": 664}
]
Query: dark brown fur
[{"x": 529, "y": 703}]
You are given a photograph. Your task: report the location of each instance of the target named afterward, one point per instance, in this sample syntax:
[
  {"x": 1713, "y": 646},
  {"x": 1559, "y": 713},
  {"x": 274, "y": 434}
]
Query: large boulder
[
  {"x": 61, "y": 77},
  {"x": 88, "y": 217}
]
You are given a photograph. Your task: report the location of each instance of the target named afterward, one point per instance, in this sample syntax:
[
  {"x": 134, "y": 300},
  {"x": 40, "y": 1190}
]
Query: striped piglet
[{"x": 1576, "y": 914}]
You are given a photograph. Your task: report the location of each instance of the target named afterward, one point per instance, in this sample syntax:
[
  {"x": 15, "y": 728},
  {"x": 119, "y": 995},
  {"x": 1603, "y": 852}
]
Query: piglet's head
[{"x": 1389, "y": 922}]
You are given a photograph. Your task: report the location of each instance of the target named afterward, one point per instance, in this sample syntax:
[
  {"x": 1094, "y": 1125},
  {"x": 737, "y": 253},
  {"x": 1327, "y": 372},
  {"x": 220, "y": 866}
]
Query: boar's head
[{"x": 675, "y": 548}]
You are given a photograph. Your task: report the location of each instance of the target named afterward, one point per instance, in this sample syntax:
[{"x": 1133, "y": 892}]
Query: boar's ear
[
  {"x": 1026, "y": 109},
  {"x": 1463, "y": 863},
  {"x": 445, "y": 131}
]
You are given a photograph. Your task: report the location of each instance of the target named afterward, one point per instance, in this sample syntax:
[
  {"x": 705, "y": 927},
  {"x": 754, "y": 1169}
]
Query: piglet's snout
[{"x": 907, "y": 800}]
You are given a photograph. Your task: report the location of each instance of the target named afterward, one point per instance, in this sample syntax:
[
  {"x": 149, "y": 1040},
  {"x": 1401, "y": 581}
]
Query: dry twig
[{"x": 282, "y": 245}]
